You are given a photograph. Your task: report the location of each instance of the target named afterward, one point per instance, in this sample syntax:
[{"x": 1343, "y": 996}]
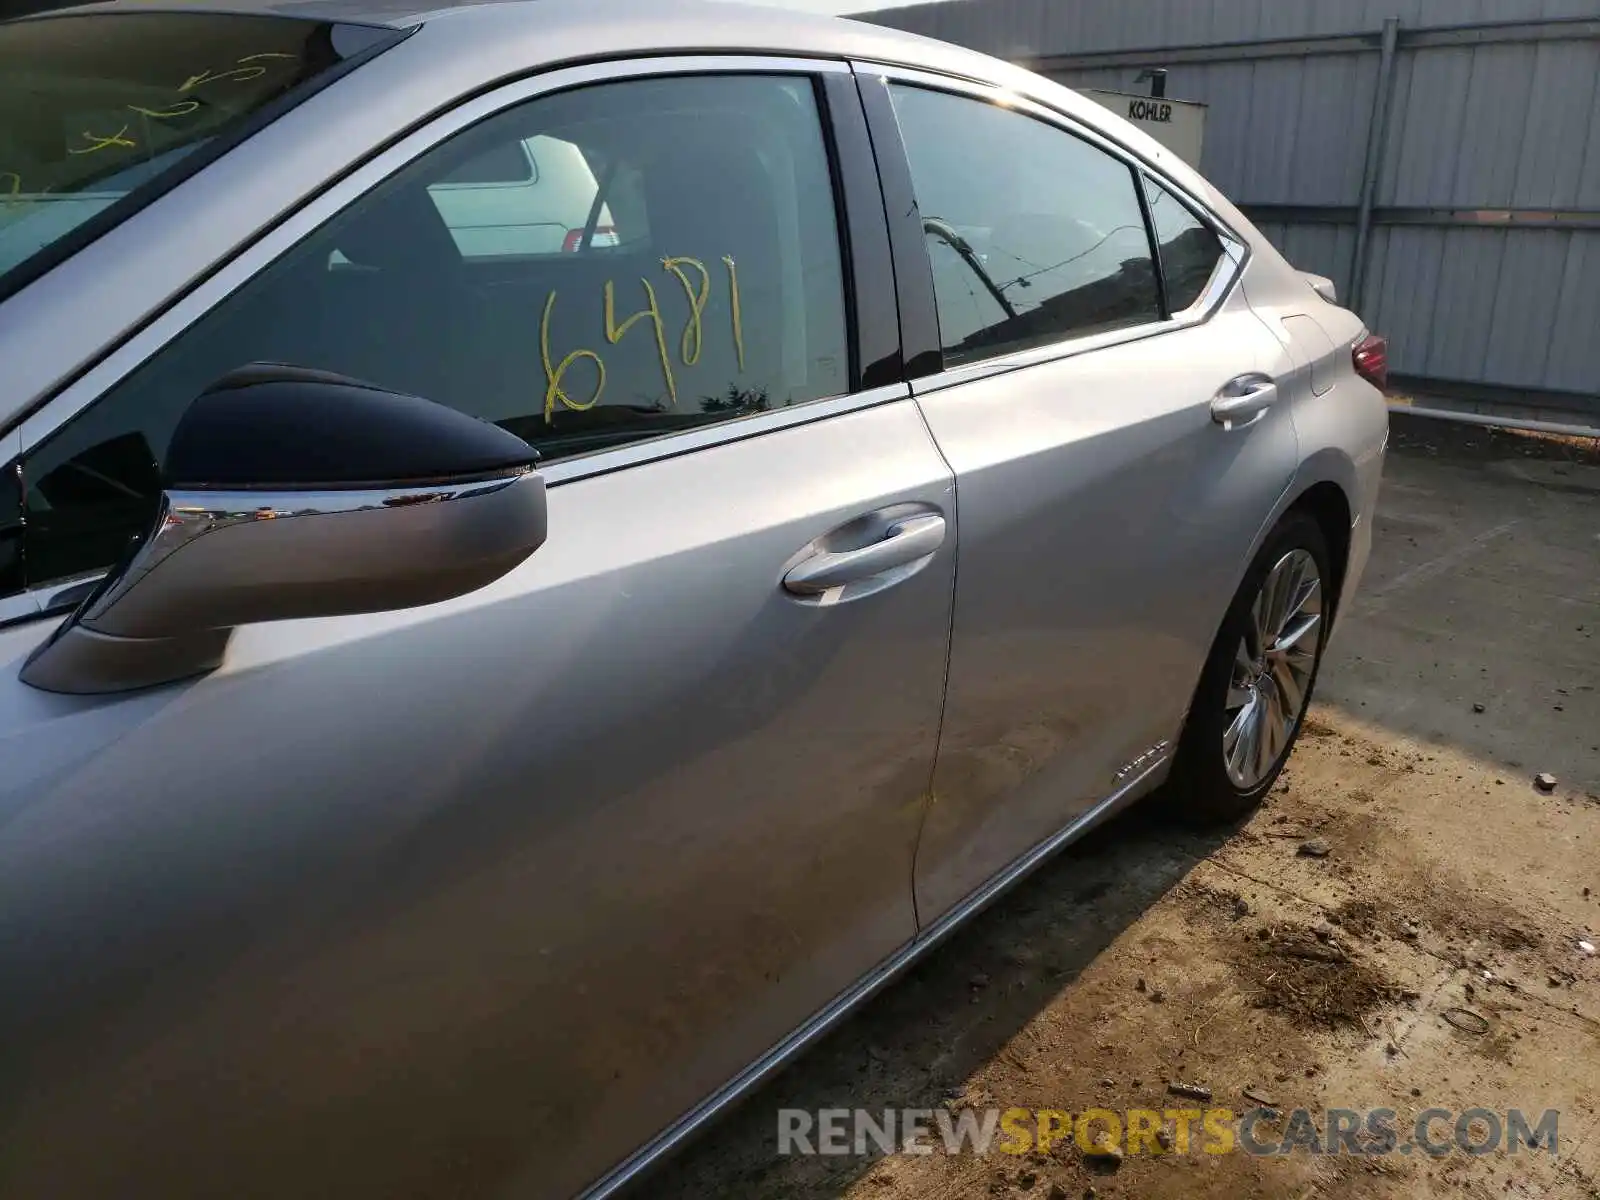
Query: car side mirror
[{"x": 295, "y": 493}]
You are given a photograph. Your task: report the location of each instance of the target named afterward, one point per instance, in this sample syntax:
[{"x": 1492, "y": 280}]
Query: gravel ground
[{"x": 1452, "y": 884}]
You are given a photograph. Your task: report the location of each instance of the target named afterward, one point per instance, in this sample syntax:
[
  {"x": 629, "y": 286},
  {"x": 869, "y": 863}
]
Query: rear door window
[{"x": 1035, "y": 235}]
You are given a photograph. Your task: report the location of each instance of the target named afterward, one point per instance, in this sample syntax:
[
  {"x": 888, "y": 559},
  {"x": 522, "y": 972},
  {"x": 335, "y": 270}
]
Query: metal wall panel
[
  {"x": 1091, "y": 26},
  {"x": 1417, "y": 168},
  {"x": 1573, "y": 363},
  {"x": 1496, "y": 113},
  {"x": 1331, "y": 142},
  {"x": 1468, "y": 275},
  {"x": 1561, "y": 100},
  {"x": 1475, "y": 128},
  {"x": 1270, "y": 127},
  {"x": 1405, "y": 272},
  {"x": 1523, "y": 308},
  {"x": 1513, "y": 308},
  {"x": 1325, "y": 249},
  {"x": 1447, "y": 12}
]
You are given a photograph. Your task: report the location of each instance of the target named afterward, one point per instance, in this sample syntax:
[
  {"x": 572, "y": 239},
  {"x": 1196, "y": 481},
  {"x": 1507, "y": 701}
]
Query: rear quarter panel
[
  {"x": 1342, "y": 424},
  {"x": 1341, "y": 420}
]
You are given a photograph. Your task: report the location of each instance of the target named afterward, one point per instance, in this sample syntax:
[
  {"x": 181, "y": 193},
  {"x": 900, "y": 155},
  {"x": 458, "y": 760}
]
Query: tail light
[
  {"x": 1371, "y": 356},
  {"x": 604, "y": 235}
]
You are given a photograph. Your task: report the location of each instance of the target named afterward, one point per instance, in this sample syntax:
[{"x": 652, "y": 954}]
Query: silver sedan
[{"x": 547, "y": 550}]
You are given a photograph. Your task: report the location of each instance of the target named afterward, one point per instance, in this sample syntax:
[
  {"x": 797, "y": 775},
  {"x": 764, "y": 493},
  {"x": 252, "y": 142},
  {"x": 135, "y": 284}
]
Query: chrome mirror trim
[
  {"x": 187, "y": 516},
  {"x": 217, "y": 560}
]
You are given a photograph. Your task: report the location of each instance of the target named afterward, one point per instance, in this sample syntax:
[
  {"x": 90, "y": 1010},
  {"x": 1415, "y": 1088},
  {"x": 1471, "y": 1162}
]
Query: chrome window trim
[
  {"x": 670, "y": 445},
  {"x": 51, "y": 600},
  {"x": 1232, "y": 248},
  {"x": 1034, "y": 356},
  {"x": 1235, "y": 247},
  {"x": 19, "y": 607},
  {"x": 1199, "y": 313},
  {"x": 1041, "y": 110},
  {"x": 315, "y": 209}
]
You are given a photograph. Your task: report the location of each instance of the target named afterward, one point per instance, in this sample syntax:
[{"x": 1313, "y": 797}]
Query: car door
[
  {"x": 476, "y": 898},
  {"x": 1106, "y": 514}
]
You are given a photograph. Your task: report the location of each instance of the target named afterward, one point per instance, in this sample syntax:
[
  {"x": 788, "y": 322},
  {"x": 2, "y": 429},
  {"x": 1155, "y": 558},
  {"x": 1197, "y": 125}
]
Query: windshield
[{"x": 98, "y": 106}]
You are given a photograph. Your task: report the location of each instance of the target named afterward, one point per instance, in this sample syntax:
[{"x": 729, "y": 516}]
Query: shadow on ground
[
  {"x": 1478, "y": 623},
  {"x": 915, "y": 1045}
]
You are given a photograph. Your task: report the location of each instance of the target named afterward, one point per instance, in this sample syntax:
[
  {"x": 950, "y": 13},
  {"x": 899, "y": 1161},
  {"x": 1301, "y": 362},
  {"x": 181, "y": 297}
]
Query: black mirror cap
[{"x": 280, "y": 427}]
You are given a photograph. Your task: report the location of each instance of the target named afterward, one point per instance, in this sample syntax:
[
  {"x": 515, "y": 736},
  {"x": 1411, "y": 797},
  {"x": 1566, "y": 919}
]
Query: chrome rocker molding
[
  {"x": 217, "y": 560},
  {"x": 652, "y": 1152}
]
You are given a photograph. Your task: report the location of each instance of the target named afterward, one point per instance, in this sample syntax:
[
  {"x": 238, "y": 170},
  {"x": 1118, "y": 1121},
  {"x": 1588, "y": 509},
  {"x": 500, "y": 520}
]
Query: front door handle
[
  {"x": 1243, "y": 401},
  {"x": 907, "y": 540}
]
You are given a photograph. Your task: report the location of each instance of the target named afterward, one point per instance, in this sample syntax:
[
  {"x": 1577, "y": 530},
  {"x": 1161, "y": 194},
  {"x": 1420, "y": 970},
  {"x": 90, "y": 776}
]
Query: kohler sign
[
  {"x": 1179, "y": 125},
  {"x": 1159, "y": 111}
]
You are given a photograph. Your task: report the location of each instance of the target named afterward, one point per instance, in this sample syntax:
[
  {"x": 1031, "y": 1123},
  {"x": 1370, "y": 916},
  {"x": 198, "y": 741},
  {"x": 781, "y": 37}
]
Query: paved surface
[{"x": 1146, "y": 955}]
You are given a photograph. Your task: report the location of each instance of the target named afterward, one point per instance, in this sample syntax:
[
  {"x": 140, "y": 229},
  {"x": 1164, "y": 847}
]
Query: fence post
[{"x": 1377, "y": 136}]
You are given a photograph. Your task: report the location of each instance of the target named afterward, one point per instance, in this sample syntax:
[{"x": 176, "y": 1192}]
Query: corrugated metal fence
[{"x": 1439, "y": 159}]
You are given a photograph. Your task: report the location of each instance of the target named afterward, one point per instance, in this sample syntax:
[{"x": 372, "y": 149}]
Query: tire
[{"x": 1228, "y": 757}]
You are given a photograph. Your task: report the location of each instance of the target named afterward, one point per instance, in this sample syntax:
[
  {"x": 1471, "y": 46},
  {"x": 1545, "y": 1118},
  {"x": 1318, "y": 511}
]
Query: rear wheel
[{"x": 1257, "y": 683}]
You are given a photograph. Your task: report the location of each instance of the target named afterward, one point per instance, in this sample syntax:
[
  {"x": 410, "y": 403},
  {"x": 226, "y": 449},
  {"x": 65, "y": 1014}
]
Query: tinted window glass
[
  {"x": 1190, "y": 250},
  {"x": 684, "y": 270},
  {"x": 509, "y": 162},
  {"x": 1034, "y": 235},
  {"x": 536, "y": 197},
  {"x": 10, "y": 532},
  {"x": 96, "y": 105}
]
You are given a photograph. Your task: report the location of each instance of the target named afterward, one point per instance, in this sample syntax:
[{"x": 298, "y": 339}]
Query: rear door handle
[
  {"x": 906, "y": 541},
  {"x": 1243, "y": 401}
]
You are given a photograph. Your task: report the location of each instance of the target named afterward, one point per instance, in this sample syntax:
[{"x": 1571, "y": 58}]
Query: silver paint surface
[
  {"x": 410, "y": 902},
  {"x": 502, "y": 895}
]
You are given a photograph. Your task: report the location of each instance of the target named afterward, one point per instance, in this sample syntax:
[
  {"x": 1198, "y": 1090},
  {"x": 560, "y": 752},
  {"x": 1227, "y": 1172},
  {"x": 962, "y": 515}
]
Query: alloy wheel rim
[{"x": 1272, "y": 669}]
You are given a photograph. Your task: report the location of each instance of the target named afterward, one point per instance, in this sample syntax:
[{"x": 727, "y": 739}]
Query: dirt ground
[{"x": 1147, "y": 955}]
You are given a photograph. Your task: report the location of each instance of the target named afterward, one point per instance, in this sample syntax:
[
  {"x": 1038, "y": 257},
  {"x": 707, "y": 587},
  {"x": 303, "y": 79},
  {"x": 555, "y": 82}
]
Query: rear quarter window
[{"x": 1189, "y": 248}]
